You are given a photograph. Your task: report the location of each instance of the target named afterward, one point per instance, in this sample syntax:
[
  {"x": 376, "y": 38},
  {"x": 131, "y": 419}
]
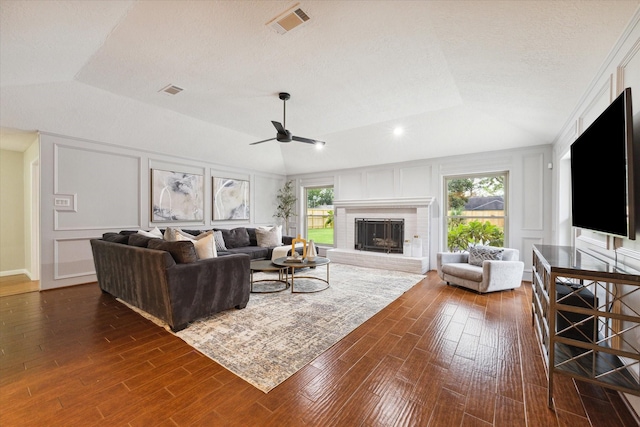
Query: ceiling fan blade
[
  {"x": 279, "y": 127},
  {"x": 306, "y": 140},
  {"x": 260, "y": 142}
]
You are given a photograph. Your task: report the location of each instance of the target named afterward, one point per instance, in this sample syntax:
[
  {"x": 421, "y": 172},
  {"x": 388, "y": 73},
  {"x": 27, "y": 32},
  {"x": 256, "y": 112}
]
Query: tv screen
[{"x": 602, "y": 172}]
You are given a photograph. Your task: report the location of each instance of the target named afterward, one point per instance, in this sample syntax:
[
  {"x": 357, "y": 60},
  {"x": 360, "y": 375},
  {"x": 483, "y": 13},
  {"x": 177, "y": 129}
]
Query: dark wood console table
[{"x": 582, "y": 316}]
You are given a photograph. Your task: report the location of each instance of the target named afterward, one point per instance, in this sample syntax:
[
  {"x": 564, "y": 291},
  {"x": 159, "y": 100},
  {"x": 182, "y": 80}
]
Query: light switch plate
[{"x": 65, "y": 202}]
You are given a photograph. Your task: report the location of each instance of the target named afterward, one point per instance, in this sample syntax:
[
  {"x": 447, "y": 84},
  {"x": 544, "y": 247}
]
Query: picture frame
[
  {"x": 230, "y": 199},
  {"x": 176, "y": 196}
]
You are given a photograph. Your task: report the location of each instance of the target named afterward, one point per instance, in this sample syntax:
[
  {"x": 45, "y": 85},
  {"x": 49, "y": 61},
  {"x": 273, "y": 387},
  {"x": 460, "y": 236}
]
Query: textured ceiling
[{"x": 459, "y": 76}]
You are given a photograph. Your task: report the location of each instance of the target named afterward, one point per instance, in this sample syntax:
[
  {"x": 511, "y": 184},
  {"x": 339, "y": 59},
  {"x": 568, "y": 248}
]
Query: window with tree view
[
  {"x": 320, "y": 215},
  {"x": 476, "y": 210}
]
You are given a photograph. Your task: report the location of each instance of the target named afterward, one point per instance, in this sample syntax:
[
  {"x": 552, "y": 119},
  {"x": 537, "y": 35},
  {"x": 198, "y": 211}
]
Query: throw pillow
[
  {"x": 182, "y": 252},
  {"x": 236, "y": 238},
  {"x": 478, "y": 254},
  {"x": 267, "y": 238},
  {"x": 204, "y": 244},
  {"x": 277, "y": 229},
  {"x": 170, "y": 234},
  {"x": 217, "y": 236},
  {"x": 152, "y": 233}
]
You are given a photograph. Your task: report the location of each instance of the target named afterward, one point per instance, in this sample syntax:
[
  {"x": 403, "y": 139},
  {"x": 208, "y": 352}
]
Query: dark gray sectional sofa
[
  {"x": 243, "y": 240},
  {"x": 167, "y": 280}
]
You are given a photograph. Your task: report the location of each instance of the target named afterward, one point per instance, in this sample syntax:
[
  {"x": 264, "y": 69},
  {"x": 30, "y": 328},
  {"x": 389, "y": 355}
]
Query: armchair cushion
[{"x": 463, "y": 270}]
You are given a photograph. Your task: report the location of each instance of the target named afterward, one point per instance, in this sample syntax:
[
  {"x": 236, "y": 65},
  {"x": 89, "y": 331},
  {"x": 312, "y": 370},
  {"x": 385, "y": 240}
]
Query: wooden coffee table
[
  {"x": 267, "y": 265},
  {"x": 318, "y": 261}
]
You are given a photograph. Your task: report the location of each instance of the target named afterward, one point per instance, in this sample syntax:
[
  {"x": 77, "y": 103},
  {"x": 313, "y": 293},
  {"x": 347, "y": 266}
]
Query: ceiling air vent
[
  {"x": 288, "y": 20},
  {"x": 171, "y": 90}
]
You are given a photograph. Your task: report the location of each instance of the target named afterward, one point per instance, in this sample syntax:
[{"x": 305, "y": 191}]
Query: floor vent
[{"x": 289, "y": 20}]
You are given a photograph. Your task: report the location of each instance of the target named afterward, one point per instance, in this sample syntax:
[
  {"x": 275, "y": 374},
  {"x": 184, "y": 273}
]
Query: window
[
  {"x": 476, "y": 209},
  {"x": 319, "y": 215}
]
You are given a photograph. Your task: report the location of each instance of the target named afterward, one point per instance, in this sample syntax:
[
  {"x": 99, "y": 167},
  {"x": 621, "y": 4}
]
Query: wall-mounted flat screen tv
[{"x": 602, "y": 173}]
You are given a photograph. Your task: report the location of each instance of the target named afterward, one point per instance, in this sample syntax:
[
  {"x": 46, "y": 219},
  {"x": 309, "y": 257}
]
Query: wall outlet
[{"x": 61, "y": 202}]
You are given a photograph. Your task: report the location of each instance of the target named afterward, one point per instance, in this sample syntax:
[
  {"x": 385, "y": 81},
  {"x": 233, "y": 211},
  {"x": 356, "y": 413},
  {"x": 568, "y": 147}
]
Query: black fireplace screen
[{"x": 379, "y": 235}]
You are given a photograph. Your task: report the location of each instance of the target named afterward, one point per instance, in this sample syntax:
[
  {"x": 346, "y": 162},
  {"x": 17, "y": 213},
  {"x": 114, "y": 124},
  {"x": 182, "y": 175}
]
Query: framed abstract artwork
[
  {"x": 176, "y": 196},
  {"x": 230, "y": 199}
]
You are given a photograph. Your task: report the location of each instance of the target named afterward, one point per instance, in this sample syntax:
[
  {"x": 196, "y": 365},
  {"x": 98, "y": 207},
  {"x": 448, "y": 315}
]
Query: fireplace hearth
[
  {"x": 379, "y": 235},
  {"x": 414, "y": 211}
]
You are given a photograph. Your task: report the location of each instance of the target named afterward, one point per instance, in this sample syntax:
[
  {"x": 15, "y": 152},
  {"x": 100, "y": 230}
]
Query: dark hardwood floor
[{"x": 437, "y": 356}]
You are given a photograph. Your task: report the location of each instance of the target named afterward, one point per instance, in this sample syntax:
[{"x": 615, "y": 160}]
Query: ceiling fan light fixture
[{"x": 284, "y": 135}]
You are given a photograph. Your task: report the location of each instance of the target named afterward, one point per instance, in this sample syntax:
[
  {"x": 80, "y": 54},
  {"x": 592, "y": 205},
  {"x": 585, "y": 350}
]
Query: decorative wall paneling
[
  {"x": 425, "y": 178},
  {"x": 621, "y": 69},
  {"x": 627, "y": 73},
  {"x": 349, "y": 186},
  {"x": 108, "y": 199},
  {"x": 533, "y": 211},
  {"x": 73, "y": 258},
  {"x": 380, "y": 184},
  {"x": 109, "y": 188},
  {"x": 413, "y": 180},
  {"x": 263, "y": 189}
]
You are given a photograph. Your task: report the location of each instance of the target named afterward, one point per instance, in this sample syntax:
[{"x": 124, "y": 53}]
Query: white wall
[
  {"x": 12, "y": 246},
  {"x": 621, "y": 69},
  {"x": 108, "y": 187},
  {"x": 529, "y": 192}
]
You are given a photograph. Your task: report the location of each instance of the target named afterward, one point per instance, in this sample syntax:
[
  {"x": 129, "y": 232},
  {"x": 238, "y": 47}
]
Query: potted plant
[{"x": 286, "y": 204}]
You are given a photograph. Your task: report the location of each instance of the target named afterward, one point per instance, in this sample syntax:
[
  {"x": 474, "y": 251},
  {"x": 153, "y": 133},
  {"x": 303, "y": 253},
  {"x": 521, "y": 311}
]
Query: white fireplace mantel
[
  {"x": 415, "y": 211},
  {"x": 403, "y": 202}
]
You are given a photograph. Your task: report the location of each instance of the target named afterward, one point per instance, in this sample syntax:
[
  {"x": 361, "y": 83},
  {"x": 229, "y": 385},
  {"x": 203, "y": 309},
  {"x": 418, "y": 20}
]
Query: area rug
[{"x": 279, "y": 333}]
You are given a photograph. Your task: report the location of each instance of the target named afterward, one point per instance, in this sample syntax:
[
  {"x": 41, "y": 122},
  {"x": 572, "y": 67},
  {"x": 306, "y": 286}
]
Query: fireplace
[
  {"x": 379, "y": 235},
  {"x": 415, "y": 214}
]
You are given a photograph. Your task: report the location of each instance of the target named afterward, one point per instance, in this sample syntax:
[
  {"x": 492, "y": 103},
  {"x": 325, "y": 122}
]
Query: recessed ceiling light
[{"x": 398, "y": 131}]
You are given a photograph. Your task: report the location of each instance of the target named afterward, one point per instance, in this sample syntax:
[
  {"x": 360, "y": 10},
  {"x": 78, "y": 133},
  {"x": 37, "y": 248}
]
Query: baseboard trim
[{"x": 14, "y": 272}]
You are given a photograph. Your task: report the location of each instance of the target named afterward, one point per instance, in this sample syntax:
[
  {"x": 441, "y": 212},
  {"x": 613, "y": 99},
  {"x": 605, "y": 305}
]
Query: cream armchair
[{"x": 489, "y": 276}]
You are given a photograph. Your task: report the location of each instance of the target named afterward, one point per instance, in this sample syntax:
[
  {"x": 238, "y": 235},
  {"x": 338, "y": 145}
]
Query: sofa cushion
[
  {"x": 204, "y": 243},
  {"x": 183, "y": 252},
  {"x": 255, "y": 252},
  {"x": 268, "y": 237},
  {"x": 463, "y": 270},
  {"x": 236, "y": 238},
  {"x": 115, "y": 237},
  {"x": 140, "y": 240},
  {"x": 478, "y": 254}
]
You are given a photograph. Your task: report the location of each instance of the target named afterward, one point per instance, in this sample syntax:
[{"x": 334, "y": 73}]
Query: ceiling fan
[{"x": 283, "y": 134}]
